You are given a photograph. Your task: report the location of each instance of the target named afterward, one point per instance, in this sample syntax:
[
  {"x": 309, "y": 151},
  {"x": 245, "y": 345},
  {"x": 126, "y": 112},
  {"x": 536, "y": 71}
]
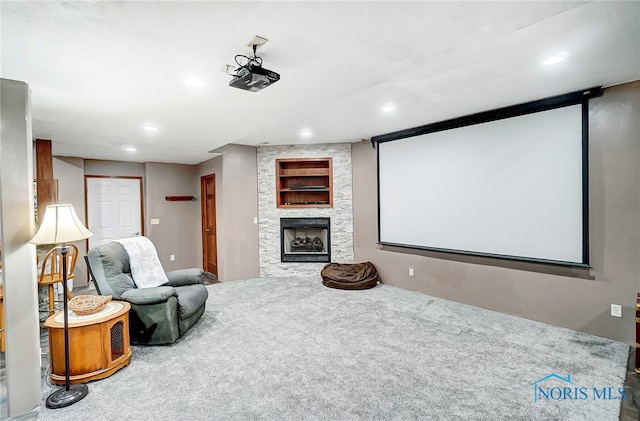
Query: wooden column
[{"x": 44, "y": 176}]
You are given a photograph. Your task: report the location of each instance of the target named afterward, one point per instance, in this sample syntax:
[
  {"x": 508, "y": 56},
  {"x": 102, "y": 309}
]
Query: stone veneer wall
[{"x": 269, "y": 215}]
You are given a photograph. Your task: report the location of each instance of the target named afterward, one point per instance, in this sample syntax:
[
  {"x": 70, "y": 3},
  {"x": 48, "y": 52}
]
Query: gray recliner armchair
[{"x": 159, "y": 314}]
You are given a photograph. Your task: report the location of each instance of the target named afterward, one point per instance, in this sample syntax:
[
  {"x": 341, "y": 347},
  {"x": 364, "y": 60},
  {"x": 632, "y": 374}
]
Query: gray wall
[
  {"x": 17, "y": 226},
  {"x": 572, "y": 298},
  {"x": 236, "y": 208}
]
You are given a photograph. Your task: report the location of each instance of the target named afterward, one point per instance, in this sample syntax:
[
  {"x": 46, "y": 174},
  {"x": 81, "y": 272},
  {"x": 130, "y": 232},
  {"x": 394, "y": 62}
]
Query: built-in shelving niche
[{"x": 304, "y": 183}]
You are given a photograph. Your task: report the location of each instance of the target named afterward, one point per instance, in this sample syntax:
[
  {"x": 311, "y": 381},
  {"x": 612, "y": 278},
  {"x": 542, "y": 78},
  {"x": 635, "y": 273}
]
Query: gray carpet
[{"x": 291, "y": 349}]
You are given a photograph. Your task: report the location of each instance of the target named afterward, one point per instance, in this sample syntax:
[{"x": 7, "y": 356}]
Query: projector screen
[{"x": 513, "y": 187}]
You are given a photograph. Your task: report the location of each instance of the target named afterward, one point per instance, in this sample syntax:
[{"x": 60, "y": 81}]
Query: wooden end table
[{"x": 98, "y": 343}]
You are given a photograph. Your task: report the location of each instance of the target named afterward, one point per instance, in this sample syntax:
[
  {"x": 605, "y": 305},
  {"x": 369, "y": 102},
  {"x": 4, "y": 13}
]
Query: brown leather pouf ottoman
[{"x": 349, "y": 275}]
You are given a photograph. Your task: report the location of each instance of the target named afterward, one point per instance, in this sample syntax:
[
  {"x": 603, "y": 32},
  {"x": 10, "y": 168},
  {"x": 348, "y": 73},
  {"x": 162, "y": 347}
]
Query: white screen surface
[{"x": 510, "y": 187}]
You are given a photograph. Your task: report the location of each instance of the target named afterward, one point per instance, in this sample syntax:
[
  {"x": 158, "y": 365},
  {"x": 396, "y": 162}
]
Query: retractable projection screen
[{"x": 508, "y": 183}]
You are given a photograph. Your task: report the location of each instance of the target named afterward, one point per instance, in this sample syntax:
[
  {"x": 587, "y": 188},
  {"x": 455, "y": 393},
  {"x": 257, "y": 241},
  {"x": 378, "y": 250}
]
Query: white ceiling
[{"x": 99, "y": 71}]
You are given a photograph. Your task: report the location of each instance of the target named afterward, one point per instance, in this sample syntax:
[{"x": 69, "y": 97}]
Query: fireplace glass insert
[{"x": 305, "y": 240}]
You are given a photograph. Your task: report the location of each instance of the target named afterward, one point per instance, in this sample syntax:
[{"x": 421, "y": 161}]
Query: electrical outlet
[
  {"x": 616, "y": 310},
  {"x": 172, "y": 257},
  {"x": 411, "y": 272}
]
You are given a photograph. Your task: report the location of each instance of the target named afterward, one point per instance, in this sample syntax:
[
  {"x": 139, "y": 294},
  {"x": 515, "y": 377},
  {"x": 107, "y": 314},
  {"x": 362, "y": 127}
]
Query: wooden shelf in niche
[{"x": 304, "y": 183}]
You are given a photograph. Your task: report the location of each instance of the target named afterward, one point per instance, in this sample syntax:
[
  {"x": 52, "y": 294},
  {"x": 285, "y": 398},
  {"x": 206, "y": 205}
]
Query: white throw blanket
[{"x": 146, "y": 269}]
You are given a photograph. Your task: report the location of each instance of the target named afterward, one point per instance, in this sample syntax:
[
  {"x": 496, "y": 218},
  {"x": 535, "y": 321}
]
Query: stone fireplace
[
  {"x": 305, "y": 240},
  {"x": 339, "y": 242}
]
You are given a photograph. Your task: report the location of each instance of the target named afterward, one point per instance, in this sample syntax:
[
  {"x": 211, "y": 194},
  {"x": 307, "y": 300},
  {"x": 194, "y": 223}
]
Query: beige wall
[
  {"x": 70, "y": 175},
  {"x": 213, "y": 166},
  {"x": 113, "y": 168},
  {"x": 178, "y": 232},
  {"x": 236, "y": 208},
  {"x": 572, "y": 298},
  {"x": 179, "y": 229}
]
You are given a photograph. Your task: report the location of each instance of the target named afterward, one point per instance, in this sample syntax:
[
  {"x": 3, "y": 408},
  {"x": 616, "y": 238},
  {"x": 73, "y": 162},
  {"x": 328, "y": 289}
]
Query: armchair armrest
[
  {"x": 148, "y": 295},
  {"x": 183, "y": 277}
]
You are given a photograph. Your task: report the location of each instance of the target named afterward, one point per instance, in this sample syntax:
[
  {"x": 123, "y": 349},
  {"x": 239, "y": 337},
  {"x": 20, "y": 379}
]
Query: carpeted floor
[{"x": 291, "y": 349}]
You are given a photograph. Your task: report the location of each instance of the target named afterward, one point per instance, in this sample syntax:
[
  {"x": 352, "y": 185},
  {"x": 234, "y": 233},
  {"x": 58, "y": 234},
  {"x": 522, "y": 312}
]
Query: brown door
[{"x": 209, "y": 248}]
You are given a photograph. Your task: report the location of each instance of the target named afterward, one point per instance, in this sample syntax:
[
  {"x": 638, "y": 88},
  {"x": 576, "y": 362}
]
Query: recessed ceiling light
[
  {"x": 305, "y": 133},
  {"x": 149, "y": 128},
  {"x": 554, "y": 59},
  {"x": 193, "y": 81},
  {"x": 130, "y": 149},
  {"x": 389, "y": 108}
]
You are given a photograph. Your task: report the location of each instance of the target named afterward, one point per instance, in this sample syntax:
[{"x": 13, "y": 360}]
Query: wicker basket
[{"x": 88, "y": 304}]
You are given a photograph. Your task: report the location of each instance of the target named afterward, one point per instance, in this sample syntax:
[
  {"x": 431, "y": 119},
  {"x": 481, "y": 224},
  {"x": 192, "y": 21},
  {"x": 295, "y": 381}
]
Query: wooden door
[
  {"x": 114, "y": 208},
  {"x": 209, "y": 243}
]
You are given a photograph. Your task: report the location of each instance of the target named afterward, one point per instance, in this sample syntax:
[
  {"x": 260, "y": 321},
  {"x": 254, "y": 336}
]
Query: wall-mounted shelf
[
  {"x": 180, "y": 198},
  {"x": 304, "y": 183}
]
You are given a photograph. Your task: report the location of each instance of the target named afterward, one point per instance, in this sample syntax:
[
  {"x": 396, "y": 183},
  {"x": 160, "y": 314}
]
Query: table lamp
[{"x": 59, "y": 226}]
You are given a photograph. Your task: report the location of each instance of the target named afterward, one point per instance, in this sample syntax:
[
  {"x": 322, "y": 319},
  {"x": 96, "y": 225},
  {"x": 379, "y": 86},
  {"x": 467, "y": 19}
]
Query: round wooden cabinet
[{"x": 98, "y": 343}]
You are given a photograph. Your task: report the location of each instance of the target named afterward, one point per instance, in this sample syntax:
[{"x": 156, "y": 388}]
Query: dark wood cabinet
[{"x": 304, "y": 182}]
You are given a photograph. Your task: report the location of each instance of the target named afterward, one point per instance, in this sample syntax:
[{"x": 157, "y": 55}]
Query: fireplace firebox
[{"x": 305, "y": 240}]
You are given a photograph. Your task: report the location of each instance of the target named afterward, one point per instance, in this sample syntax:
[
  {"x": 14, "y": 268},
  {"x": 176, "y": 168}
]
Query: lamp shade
[{"x": 60, "y": 225}]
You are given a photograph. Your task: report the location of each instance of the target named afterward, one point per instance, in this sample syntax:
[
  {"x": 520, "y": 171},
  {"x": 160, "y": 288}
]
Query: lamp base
[{"x": 63, "y": 397}]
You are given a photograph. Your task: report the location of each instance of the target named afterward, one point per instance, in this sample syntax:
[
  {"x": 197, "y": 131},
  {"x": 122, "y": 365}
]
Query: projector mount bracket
[{"x": 243, "y": 61}]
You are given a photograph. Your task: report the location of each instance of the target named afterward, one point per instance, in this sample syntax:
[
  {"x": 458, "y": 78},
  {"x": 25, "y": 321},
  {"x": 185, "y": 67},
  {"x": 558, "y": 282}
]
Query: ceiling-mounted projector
[
  {"x": 250, "y": 75},
  {"x": 253, "y": 78}
]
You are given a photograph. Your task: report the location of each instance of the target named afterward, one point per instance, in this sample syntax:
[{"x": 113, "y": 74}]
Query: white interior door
[{"x": 114, "y": 208}]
